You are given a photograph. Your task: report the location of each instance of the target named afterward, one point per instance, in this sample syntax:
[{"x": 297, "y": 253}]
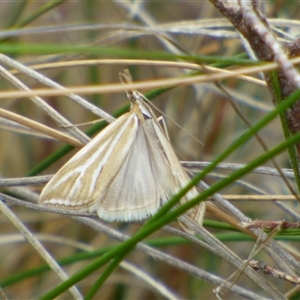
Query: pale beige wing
[
  {"x": 143, "y": 181},
  {"x": 75, "y": 184},
  {"x": 180, "y": 176}
]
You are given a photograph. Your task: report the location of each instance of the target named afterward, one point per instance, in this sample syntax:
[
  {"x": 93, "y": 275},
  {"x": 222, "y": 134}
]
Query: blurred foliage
[{"x": 35, "y": 32}]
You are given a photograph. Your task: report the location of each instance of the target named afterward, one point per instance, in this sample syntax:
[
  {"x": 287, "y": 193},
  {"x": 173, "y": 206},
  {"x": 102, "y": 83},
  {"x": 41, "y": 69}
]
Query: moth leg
[
  {"x": 164, "y": 126},
  {"x": 87, "y": 123},
  {"x": 196, "y": 214}
]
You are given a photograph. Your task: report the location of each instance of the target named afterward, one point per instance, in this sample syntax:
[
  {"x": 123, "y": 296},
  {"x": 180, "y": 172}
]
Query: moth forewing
[
  {"x": 137, "y": 189},
  {"x": 182, "y": 179},
  {"x": 76, "y": 185}
]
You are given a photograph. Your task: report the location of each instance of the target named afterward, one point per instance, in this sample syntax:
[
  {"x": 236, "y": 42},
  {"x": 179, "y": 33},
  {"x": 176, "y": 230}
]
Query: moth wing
[
  {"x": 142, "y": 182},
  {"x": 75, "y": 184},
  {"x": 180, "y": 176}
]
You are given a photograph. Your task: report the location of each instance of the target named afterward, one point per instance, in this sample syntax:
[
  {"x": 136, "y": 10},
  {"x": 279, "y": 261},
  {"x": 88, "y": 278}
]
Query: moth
[{"x": 126, "y": 173}]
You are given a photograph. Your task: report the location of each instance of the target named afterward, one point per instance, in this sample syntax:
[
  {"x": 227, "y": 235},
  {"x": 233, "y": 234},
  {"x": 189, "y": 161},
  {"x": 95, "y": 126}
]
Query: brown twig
[
  {"x": 253, "y": 26},
  {"x": 267, "y": 270},
  {"x": 270, "y": 225}
]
